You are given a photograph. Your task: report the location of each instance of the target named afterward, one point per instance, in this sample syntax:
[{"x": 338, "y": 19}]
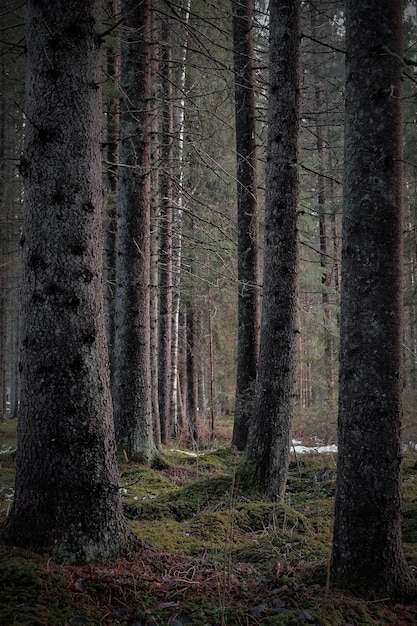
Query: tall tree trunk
[
  {"x": 155, "y": 214},
  {"x": 367, "y": 546},
  {"x": 132, "y": 367},
  {"x": 267, "y": 453},
  {"x": 67, "y": 499},
  {"x": 11, "y": 132},
  {"x": 319, "y": 101},
  {"x": 248, "y": 290},
  {"x": 112, "y": 158},
  {"x": 165, "y": 240},
  {"x": 177, "y": 224}
]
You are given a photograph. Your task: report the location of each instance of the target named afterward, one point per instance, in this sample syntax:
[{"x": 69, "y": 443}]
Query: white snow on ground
[
  {"x": 296, "y": 447},
  {"x": 8, "y": 450},
  {"x": 299, "y": 449}
]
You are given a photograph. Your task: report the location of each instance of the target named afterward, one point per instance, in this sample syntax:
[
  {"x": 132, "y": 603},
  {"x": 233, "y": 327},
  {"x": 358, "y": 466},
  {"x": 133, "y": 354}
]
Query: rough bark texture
[
  {"x": 248, "y": 290},
  {"x": 266, "y": 458},
  {"x": 112, "y": 158},
  {"x": 67, "y": 499},
  {"x": 165, "y": 238},
  {"x": 132, "y": 366},
  {"x": 367, "y": 536}
]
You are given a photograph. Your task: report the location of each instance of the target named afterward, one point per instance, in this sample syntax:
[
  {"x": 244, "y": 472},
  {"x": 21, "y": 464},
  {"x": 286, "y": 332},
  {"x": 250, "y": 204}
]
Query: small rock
[
  {"x": 257, "y": 610},
  {"x": 120, "y": 612},
  {"x": 78, "y": 620},
  {"x": 304, "y": 616}
]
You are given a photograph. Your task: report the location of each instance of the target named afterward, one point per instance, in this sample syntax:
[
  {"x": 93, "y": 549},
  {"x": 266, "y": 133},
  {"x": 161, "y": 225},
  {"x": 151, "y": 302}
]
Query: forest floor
[{"x": 213, "y": 555}]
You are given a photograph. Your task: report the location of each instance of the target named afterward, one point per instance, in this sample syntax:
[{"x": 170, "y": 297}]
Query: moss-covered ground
[{"x": 213, "y": 555}]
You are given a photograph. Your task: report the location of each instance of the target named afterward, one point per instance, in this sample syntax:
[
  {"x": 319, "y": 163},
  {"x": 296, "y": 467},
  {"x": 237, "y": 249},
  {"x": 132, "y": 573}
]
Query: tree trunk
[
  {"x": 132, "y": 366},
  {"x": 155, "y": 214},
  {"x": 248, "y": 290},
  {"x": 367, "y": 548},
  {"x": 112, "y": 158},
  {"x": 266, "y": 458},
  {"x": 192, "y": 376},
  {"x": 165, "y": 240},
  {"x": 67, "y": 499}
]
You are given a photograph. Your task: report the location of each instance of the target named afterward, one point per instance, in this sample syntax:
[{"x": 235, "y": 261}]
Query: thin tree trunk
[
  {"x": 192, "y": 377},
  {"x": 248, "y": 290},
  {"x": 155, "y": 218},
  {"x": 112, "y": 157},
  {"x": 165, "y": 240},
  {"x": 177, "y": 227}
]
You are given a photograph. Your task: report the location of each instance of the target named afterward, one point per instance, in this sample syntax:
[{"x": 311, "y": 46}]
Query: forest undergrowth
[{"x": 213, "y": 554}]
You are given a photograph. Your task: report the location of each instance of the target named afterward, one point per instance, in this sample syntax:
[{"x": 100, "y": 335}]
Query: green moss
[
  {"x": 183, "y": 502},
  {"x": 222, "y": 459},
  {"x": 28, "y": 594},
  {"x": 141, "y": 483},
  {"x": 8, "y": 434},
  {"x": 409, "y": 523},
  {"x": 329, "y": 614}
]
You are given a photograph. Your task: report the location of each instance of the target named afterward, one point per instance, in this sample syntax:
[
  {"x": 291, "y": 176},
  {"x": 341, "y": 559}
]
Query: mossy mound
[
  {"x": 28, "y": 593},
  {"x": 141, "y": 483},
  {"x": 183, "y": 502},
  {"x": 222, "y": 460}
]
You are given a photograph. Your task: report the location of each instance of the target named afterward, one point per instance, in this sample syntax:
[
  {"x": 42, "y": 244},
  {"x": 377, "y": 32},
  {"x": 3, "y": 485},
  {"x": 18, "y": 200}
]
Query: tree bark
[
  {"x": 112, "y": 158},
  {"x": 367, "y": 548},
  {"x": 132, "y": 366},
  {"x": 67, "y": 498},
  {"x": 165, "y": 240},
  {"x": 248, "y": 289},
  {"x": 266, "y": 459},
  {"x": 192, "y": 377}
]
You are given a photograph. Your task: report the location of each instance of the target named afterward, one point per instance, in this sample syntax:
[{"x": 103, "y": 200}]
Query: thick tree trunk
[
  {"x": 367, "y": 547},
  {"x": 132, "y": 366},
  {"x": 67, "y": 499},
  {"x": 248, "y": 290},
  {"x": 267, "y": 452}
]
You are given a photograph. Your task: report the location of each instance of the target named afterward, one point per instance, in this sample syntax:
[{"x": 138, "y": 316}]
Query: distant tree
[
  {"x": 266, "y": 458},
  {"x": 367, "y": 547},
  {"x": 132, "y": 365},
  {"x": 12, "y": 72},
  {"x": 67, "y": 500},
  {"x": 248, "y": 288},
  {"x": 192, "y": 375}
]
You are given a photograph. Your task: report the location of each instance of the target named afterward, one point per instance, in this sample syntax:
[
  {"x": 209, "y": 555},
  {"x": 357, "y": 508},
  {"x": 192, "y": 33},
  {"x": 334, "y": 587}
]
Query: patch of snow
[
  {"x": 188, "y": 453},
  {"x": 8, "y": 450},
  {"x": 299, "y": 449}
]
